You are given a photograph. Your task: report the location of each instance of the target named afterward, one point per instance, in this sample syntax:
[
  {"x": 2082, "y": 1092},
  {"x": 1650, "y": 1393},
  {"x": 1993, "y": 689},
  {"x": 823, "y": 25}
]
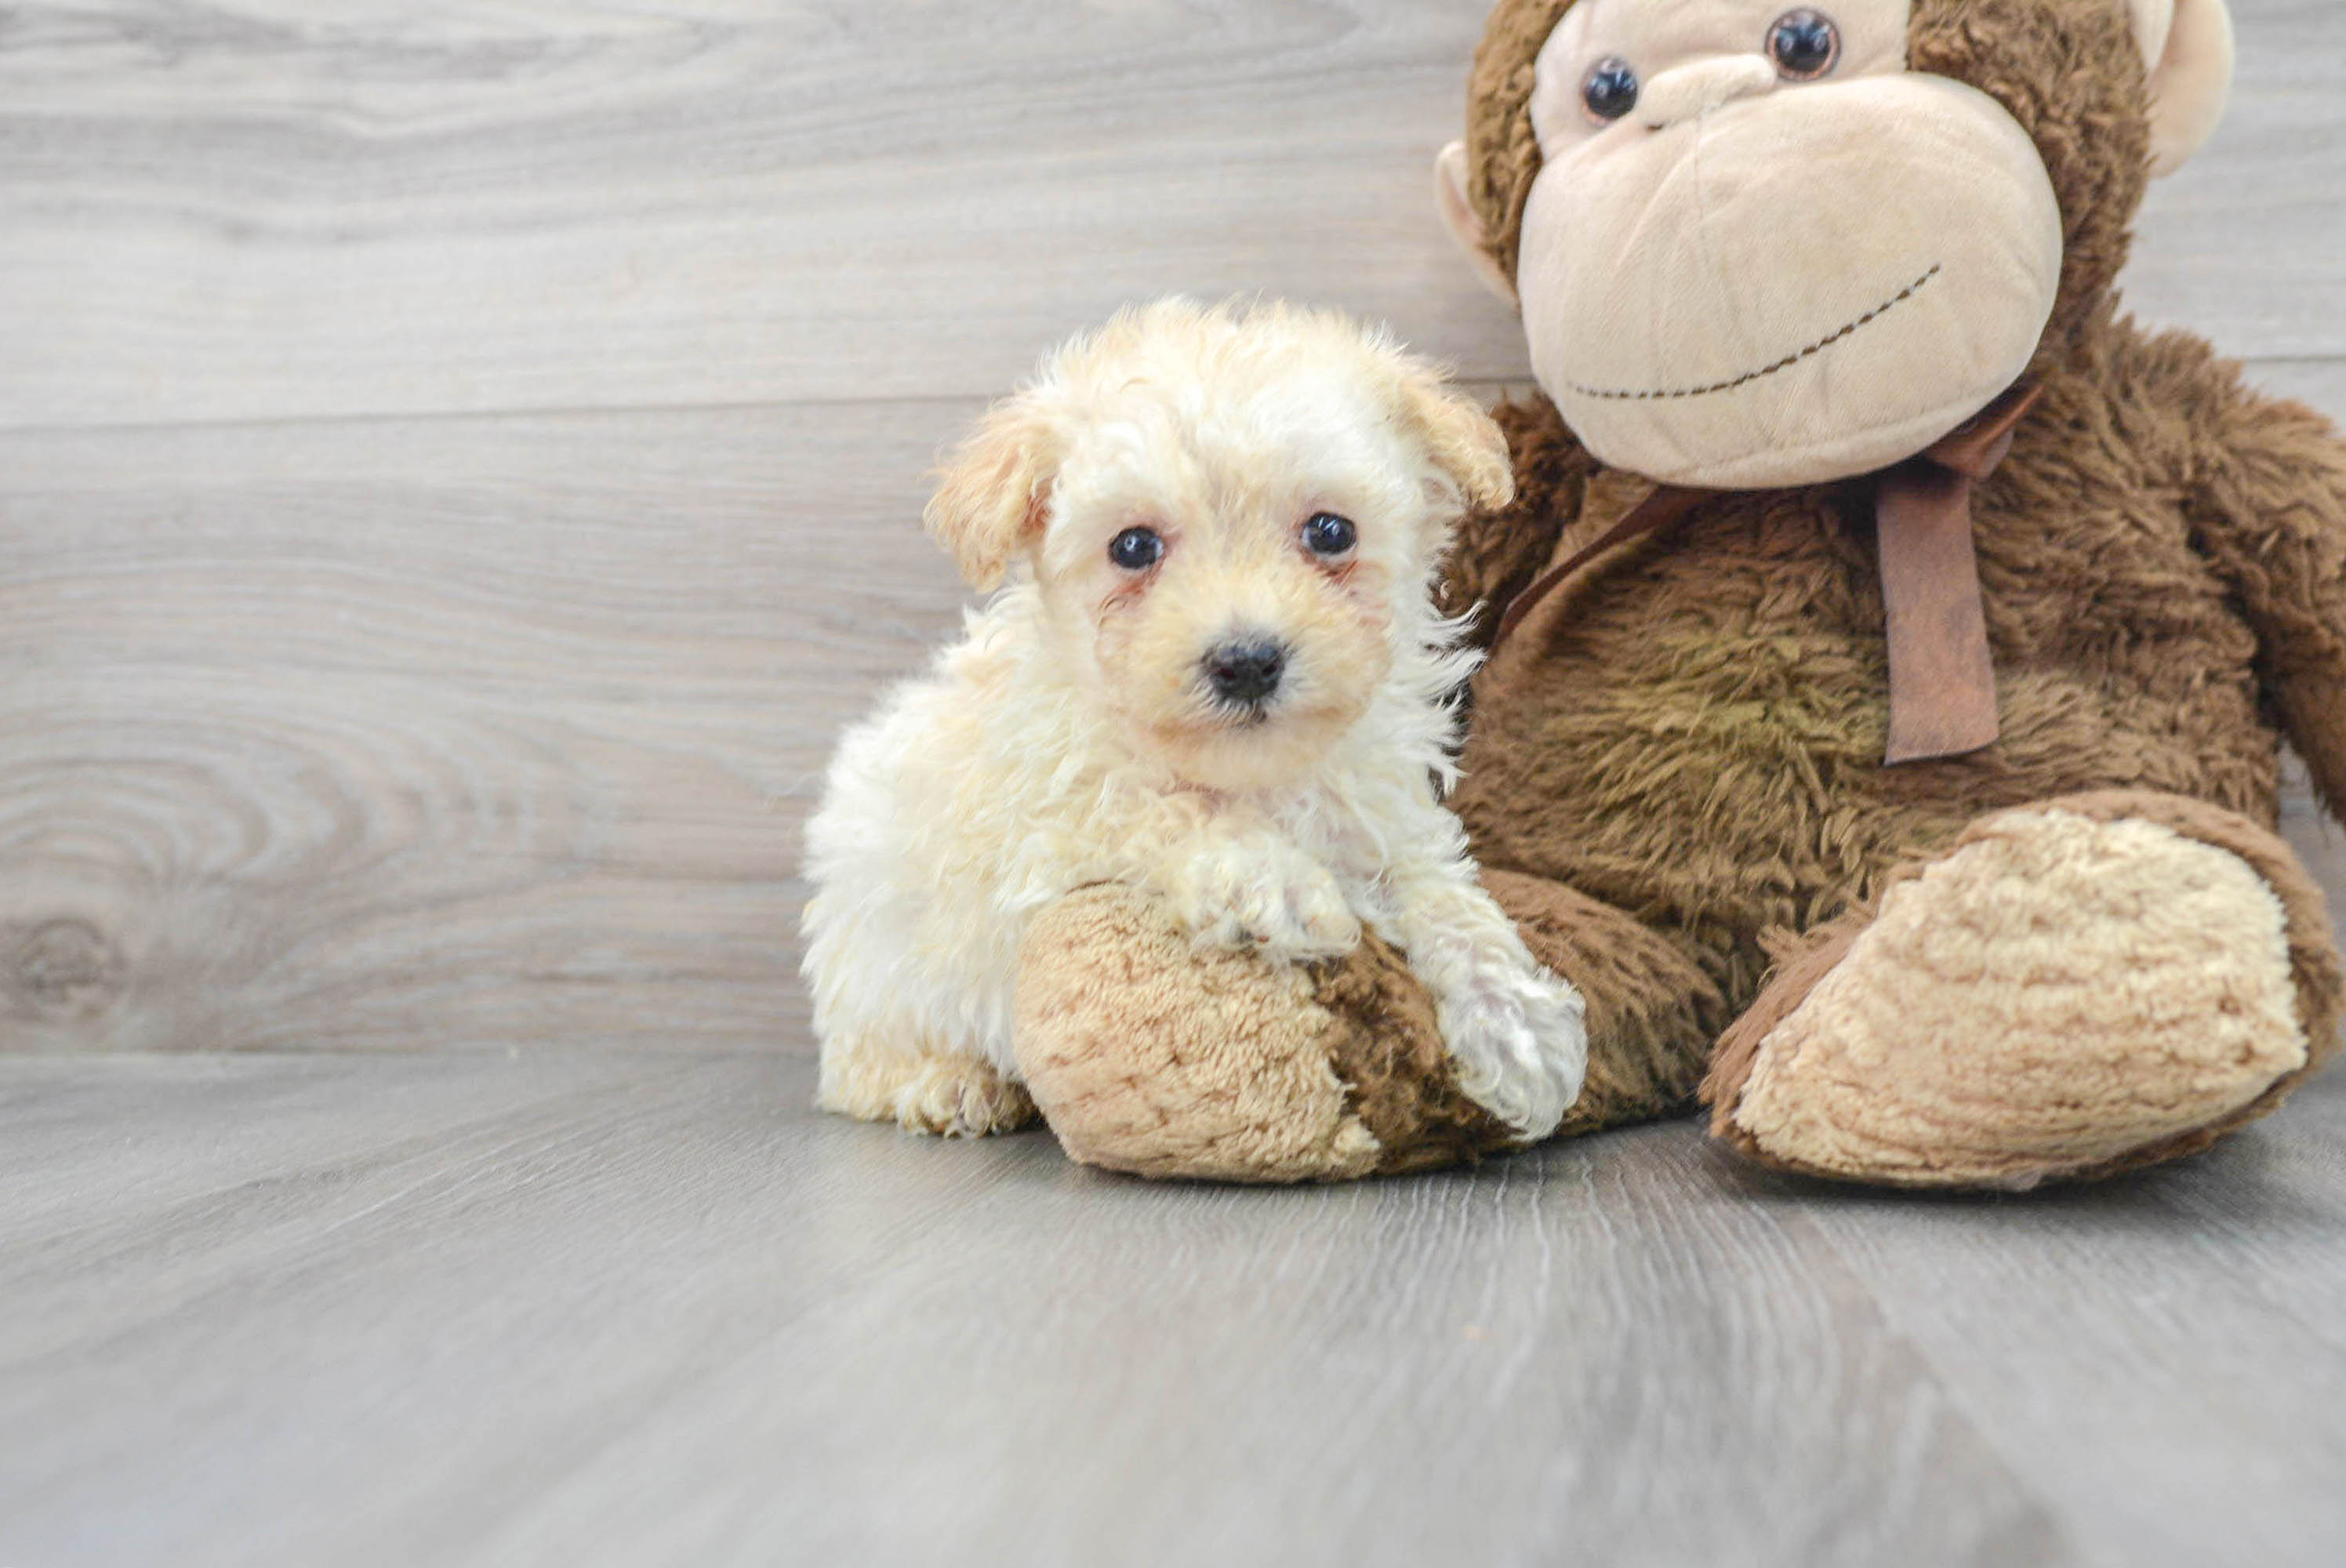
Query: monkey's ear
[
  {"x": 995, "y": 491},
  {"x": 1458, "y": 216},
  {"x": 1466, "y": 444},
  {"x": 2188, "y": 47}
]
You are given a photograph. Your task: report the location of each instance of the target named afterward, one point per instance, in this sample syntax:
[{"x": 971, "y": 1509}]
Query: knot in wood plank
[{"x": 61, "y": 968}]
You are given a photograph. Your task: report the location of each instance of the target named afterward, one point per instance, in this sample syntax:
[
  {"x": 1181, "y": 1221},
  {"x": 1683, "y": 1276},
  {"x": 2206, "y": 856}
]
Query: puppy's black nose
[{"x": 1246, "y": 672}]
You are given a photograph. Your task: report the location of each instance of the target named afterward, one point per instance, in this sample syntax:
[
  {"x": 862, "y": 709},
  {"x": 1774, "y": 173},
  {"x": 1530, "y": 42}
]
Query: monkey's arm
[
  {"x": 1497, "y": 554},
  {"x": 2268, "y": 499}
]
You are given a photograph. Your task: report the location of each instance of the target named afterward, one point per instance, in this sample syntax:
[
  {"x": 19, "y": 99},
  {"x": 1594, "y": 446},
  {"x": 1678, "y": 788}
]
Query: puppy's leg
[
  {"x": 1515, "y": 1033},
  {"x": 1246, "y": 887},
  {"x": 902, "y": 1041},
  {"x": 913, "y": 1015},
  {"x": 951, "y": 1094}
]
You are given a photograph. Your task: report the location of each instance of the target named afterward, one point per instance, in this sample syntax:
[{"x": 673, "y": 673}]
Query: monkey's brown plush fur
[{"x": 1675, "y": 781}]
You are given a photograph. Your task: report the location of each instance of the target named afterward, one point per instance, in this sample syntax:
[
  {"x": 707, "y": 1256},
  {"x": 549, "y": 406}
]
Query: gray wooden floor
[
  {"x": 580, "y": 1308},
  {"x": 458, "y": 467}
]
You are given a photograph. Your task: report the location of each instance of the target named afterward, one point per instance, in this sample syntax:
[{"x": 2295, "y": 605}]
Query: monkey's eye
[
  {"x": 1804, "y": 44},
  {"x": 1611, "y": 89},
  {"x": 1136, "y": 549},
  {"x": 1325, "y": 534}
]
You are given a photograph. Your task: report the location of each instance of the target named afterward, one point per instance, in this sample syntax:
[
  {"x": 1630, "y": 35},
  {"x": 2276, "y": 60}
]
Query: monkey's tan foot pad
[
  {"x": 2060, "y": 997},
  {"x": 1151, "y": 1055}
]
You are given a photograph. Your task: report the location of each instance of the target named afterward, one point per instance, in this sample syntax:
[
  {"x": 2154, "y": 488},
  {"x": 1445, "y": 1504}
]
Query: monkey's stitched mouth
[{"x": 1611, "y": 394}]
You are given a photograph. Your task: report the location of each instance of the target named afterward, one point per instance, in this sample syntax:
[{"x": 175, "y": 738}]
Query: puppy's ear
[
  {"x": 996, "y": 491},
  {"x": 1463, "y": 441}
]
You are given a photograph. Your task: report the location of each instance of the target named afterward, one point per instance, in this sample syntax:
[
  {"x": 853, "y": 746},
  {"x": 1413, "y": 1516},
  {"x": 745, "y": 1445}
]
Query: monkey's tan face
[{"x": 1761, "y": 251}]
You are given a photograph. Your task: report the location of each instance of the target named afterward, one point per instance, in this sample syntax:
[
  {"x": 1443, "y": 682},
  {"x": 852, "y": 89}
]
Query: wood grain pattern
[
  {"x": 2320, "y": 382},
  {"x": 585, "y": 1309},
  {"x": 451, "y": 734},
  {"x": 347, "y": 704},
  {"x": 439, "y": 733},
  {"x": 239, "y": 209},
  {"x": 469, "y": 729},
  {"x": 2241, "y": 245}
]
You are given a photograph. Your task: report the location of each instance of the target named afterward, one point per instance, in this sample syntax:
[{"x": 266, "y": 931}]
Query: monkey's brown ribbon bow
[{"x": 1942, "y": 674}]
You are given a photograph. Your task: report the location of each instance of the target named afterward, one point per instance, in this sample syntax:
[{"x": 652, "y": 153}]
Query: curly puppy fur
[
  {"x": 1690, "y": 737},
  {"x": 1077, "y": 735}
]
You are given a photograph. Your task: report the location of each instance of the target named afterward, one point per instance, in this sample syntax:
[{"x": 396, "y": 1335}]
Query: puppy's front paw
[
  {"x": 1519, "y": 1042},
  {"x": 1271, "y": 899}
]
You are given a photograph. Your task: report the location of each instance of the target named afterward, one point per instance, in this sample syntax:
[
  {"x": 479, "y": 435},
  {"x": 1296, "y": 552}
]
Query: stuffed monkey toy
[{"x": 1890, "y": 649}]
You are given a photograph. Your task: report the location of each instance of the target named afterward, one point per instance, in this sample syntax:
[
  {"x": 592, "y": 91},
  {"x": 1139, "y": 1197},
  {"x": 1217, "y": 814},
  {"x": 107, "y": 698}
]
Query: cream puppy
[{"x": 1216, "y": 675}]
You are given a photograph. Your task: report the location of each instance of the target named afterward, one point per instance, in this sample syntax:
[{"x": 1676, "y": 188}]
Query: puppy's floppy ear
[
  {"x": 996, "y": 491},
  {"x": 1463, "y": 441}
]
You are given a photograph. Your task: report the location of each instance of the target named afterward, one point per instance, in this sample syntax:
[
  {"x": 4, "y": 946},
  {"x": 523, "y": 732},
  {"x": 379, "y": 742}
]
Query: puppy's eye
[
  {"x": 1325, "y": 534},
  {"x": 1136, "y": 549},
  {"x": 1804, "y": 44},
  {"x": 1610, "y": 90}
]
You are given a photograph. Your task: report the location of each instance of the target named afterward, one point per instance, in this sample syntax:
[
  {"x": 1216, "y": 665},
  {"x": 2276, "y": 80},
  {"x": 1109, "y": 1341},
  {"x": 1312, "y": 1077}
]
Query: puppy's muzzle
[{"x": 1246, "y": 675}]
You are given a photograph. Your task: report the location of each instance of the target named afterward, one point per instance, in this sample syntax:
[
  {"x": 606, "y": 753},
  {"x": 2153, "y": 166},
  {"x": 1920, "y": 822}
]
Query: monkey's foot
[{"x": 2076, "y": 989}]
